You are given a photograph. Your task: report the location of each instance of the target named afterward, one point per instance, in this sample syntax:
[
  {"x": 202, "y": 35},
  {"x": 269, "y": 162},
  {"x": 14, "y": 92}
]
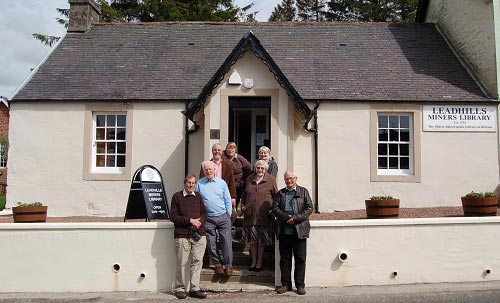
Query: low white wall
[{"x": 79, "y": 257}]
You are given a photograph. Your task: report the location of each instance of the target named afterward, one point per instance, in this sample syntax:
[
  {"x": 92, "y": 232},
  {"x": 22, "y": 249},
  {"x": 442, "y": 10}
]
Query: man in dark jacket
[
  {"x": 223, "y": 170},
  {"x": 188, "y": 214},
  {"x": 292, "y": 207}
]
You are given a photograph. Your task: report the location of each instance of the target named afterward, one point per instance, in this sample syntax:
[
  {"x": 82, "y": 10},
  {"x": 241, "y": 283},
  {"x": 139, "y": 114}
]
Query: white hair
[
  {"x": 262, "y": 163},
  {"x": 205, "y": 163},
  {"x": 265, "y": 149}
]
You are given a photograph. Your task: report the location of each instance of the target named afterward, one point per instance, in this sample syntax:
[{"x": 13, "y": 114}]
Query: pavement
[{"x": 475, "y": 292}]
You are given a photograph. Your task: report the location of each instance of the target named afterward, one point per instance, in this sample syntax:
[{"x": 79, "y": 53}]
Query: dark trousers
[{"x": 293, "y": 246}]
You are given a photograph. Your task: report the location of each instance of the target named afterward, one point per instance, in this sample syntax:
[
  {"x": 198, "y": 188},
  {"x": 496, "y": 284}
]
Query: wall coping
[{"x": 314, "y": 223}]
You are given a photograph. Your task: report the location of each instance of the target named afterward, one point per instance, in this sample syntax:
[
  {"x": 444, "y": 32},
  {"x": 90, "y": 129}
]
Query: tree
[
  {"x": 48, "y": 39},
  {"x": 311, "y": 10},
  {"x": 162, "y": 10},
  {"x": 285, "y": 11},
  {"x": 372, "y": 10}
]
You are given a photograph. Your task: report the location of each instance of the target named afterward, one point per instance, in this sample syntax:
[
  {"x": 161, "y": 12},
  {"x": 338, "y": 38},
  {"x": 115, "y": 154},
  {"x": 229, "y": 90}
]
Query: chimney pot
[{"x": 82, "y": 14}]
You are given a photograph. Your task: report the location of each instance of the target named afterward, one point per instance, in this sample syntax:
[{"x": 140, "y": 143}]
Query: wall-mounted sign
[{"x": 460, "y": 118}]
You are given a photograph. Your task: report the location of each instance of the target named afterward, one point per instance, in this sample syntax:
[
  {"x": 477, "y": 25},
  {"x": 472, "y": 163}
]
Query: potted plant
[
  {"x": 382, "y": 207},
  {"x": 29, "y": 212},
  {"x": 480, "y": 204}
]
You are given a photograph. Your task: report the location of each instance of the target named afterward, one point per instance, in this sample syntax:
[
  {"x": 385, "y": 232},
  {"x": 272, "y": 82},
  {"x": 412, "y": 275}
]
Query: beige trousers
[{"x": 184, "y": 248}]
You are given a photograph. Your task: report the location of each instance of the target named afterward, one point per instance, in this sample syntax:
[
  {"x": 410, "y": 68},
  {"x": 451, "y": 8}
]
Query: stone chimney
[{"x": 82, "y": 14}]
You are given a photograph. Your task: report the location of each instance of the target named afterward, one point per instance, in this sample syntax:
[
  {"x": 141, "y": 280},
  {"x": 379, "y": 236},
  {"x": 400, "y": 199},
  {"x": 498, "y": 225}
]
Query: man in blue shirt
[{"x": 217, "y": 200}]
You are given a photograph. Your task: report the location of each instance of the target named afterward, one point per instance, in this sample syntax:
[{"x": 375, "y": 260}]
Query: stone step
[
  {"x": 243, "y": 258},
  {"x": 241, "y": 276}
]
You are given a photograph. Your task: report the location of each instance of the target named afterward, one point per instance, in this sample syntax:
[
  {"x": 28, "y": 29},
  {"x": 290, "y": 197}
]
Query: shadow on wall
[{"x": 165, "y": 279}]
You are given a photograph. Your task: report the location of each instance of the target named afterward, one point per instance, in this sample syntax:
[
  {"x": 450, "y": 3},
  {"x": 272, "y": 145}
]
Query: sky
[{"x": 20, "y": 52}]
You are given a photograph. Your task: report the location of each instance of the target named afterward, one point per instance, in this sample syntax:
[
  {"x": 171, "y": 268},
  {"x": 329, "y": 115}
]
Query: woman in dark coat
[{"x": 256, "y": 202}]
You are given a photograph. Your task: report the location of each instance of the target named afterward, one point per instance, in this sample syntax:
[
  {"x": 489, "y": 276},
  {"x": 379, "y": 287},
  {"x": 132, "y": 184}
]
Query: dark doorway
[{"x": 249, "y": 124}]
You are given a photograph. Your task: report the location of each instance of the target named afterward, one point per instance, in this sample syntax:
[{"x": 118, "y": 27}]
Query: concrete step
[{"x": 241, "y": 277}]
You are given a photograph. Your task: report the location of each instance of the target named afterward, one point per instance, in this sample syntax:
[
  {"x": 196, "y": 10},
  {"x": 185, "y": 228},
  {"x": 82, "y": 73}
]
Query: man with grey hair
[
  {"x": 217, "y": 200},
  {"x": 223, "y": 170},
  {"x": 292, "y": 207}
]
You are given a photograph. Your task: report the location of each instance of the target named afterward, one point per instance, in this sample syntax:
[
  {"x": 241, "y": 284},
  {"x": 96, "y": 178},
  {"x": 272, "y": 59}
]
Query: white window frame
[
  {"x": 396, "y": 171},
  {"x": 413, "y": 175},
  {"x": 95, "y": 141},
  {"x": 89, "y": 172},
  {"x": 3, "y": 153}
]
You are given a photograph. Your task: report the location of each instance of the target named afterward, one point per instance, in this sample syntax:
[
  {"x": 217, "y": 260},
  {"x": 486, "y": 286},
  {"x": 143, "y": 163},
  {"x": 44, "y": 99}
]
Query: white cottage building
[{"x": 356, "y": 109}]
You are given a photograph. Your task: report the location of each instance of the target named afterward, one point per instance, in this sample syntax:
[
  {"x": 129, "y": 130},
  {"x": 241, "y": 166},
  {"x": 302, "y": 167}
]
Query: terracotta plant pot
[
  {"x": 379, "y": 209},
  {"x": 29, "y": 214},
  {"x": 476, "y": 207}
]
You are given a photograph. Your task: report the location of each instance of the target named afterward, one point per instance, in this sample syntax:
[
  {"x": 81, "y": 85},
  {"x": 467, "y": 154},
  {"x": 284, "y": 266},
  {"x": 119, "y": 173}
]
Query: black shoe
[
  {"x": 251, "y": 268},
  {"x": 180, "y": 294},
  {"x": 198, "y": 294},
  {"x": 283, "y": 289},
  {"x": 256, "y": 269}
]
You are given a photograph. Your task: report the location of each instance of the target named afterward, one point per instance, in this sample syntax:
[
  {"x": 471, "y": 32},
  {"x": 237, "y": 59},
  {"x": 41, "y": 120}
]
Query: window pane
[
  {"x": 404, "y": 149},
  {"x": 110, "y": 147},
  {"x": 405, "y": 121},
  {"x": 101, "y": 148},
  {"x": 99, "y": 134},
  {"x": 120, "y": 134},
  {"x": 382, "y": 121},
  {"x": 405, "y": 162},
  {"x": 110, "y": 161},
  {"x": 383, "y": 135},
  {"x": 120, "y": 161},
  {"x": 394, "y": 135},
  {"x": 393, "y": 162},
  {"x": 110, "y": 134},
  {"x": 393, "y": 149},
  {"x": 405, "y": 135},
  {"x": 111, "y": 120},
  {"x": 100, "y": 120},
  {"x": 121, "y": 120},
  {"x": 99, "y": 161},
  {"x": 393, "y": 121},
  {"x": 382, "y": 149},
  {"x": 121, "y": 147},
  {"x": 382, "y": 162}
]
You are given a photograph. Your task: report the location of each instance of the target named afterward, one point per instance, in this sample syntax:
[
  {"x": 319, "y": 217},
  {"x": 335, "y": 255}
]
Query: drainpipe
[
  {"x": 315, "y": 131},
  {"x": 187, "y": 132}
]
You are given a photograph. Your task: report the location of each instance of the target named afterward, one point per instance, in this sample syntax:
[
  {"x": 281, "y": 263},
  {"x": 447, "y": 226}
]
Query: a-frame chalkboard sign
[{"x": 147, "y": 198}]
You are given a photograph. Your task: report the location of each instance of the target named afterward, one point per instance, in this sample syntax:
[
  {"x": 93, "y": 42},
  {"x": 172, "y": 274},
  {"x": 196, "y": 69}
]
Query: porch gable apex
[{"x": 248, "y": 41}]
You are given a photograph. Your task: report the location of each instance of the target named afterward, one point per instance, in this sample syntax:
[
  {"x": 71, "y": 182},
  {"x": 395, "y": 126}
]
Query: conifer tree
[{"x": 285, "y": 11}]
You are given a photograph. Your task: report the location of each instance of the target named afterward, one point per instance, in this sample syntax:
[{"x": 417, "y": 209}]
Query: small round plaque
[{"x": 248, "y": 83}]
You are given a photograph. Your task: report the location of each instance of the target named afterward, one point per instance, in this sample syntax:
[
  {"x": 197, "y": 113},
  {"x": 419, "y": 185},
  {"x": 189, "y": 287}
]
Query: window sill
[
  {"x": 107, "y": 176},
  {"x": 396, "y": 178}
]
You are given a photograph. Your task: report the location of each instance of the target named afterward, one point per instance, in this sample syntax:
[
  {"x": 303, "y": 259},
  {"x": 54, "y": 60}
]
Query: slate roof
[{"x": 174, "y": 61}]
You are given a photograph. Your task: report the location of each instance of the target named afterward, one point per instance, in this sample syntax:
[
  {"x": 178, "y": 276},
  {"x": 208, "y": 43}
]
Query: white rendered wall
[
  {"x": 47, "y": 149},
  {"x": 79, "y": 257},
  {"x": 249, "y": 66},
  {"x": 470, "y": 26},
  {"x": 453, "y": 163}
]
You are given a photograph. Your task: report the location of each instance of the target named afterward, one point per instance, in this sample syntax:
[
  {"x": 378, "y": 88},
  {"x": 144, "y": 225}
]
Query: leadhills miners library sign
[{"x": 462, "y": 118}]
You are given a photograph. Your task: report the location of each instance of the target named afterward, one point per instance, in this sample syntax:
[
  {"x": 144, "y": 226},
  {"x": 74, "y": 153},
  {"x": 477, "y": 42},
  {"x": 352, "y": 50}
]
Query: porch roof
[{"x": 329, "y": 61}]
